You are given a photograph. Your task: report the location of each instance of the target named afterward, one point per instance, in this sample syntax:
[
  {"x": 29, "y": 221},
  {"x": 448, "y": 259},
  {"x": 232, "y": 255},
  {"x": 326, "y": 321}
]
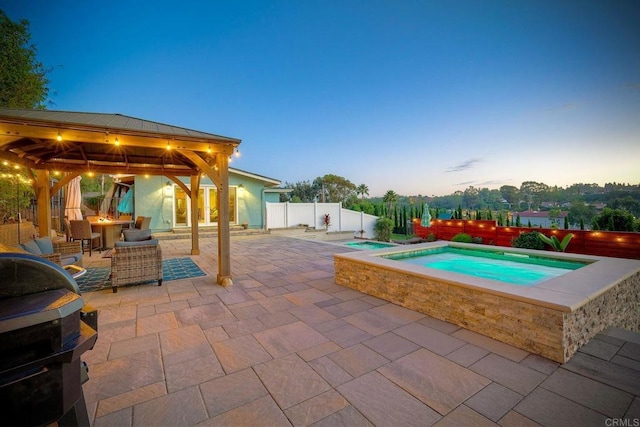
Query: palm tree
[
  {"x": 390, "y": 198},
  {"x": 362, "y": 189}
]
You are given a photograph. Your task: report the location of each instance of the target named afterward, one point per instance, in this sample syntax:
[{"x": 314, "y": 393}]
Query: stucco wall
[{"x": 151, "y": 200}]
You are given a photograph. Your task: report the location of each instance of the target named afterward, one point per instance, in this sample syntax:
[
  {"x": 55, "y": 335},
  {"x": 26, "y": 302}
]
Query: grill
[{"x": 44, "y": 329}]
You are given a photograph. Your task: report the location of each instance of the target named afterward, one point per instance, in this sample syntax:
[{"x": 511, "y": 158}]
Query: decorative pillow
[
  {"x": 45, "y": 244},
  {"x": 32, "y": 247},
  {"x": 150, "y": 242},
  {"x": 134, "y": 235}
]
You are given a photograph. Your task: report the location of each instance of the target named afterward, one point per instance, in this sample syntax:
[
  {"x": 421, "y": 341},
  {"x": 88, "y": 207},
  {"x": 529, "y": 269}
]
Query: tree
[
  {"x": 533, "y": 192},
  {"x": 626, "y": 203},
  {"x": 16, "y": 192},
  {"x": 390, "y": 198},
  {"x": 554, "y": 216},
  {"x": 471, "y": 197},
  {"x": 362, "y": 189},
  {"x": 614, "y": 220},
  {"x": 303, "y": 192},
  {"x": 580, "y": 212},
  {"x": 23, "y": 80},
  {"x": 334, "y": 188}
]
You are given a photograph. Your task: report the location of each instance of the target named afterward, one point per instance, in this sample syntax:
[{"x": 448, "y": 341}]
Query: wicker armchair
[
  {"x": 136, "y": 262},
  {"x": 60, "y": 249}
]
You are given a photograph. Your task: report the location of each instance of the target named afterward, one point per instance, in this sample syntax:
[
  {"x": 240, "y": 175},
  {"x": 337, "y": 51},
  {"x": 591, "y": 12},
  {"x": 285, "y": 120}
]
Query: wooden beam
[{"x": 204, "y": 166}]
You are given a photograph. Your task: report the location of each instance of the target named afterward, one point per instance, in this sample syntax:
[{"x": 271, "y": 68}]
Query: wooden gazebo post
[{"x": 224, "y": 240}]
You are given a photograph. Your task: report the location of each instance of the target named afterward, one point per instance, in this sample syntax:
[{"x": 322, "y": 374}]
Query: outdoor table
[{"x": 110, "y": 230}]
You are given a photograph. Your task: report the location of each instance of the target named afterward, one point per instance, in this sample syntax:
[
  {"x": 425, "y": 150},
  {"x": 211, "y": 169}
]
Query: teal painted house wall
[{"x": 151, "y": 199}]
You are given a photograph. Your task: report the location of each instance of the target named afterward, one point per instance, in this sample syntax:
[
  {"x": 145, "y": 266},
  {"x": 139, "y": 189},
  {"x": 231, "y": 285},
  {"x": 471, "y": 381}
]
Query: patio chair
[
  {"x": 67, "y": 230},
  {"x": 126, "y": 217},
  {"x": 81, "y": 230},
  {"x": 136, "y": 262},
  {"x": 142, "y": 222}
]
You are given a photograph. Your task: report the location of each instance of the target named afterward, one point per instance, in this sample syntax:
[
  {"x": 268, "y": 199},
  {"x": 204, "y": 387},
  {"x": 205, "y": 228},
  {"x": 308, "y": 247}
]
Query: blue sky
[{"x": 418, "y": 97}]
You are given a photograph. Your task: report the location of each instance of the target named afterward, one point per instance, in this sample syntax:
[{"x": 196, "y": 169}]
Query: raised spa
[
  {"x": 367, "y": 244},
  {"x": 515, "y": 268},
  {"x": 552, "y": 316}
]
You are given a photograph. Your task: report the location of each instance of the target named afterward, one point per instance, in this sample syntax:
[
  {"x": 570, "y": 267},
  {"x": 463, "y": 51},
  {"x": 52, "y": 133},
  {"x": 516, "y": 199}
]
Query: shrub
[
  {"x": 528, "y": 240},
  {"x": 431, "y": 237},
  {"x": 462, "y": 238},
  {"x": 383, "y": 229},
  {"x": 555, "y": 243}
]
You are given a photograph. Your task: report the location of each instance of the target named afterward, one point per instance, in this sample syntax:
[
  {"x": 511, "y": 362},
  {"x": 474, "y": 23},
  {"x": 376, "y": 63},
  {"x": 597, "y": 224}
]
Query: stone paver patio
[{"x": 285, "y": 346}]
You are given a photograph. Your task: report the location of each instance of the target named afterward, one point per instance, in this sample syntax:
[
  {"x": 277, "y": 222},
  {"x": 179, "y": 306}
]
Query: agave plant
[{"x": 556, "y": 244}]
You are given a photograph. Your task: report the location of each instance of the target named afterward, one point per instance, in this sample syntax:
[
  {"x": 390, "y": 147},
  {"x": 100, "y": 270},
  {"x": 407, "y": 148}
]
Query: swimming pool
[
  {"x": 366, "y": 244},
  {"x": 517, "y": 269},
  {"x": 553, "y": 317}
]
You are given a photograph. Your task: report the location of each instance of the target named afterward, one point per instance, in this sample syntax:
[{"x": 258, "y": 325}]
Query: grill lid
[{"x": 24, "y": 274}]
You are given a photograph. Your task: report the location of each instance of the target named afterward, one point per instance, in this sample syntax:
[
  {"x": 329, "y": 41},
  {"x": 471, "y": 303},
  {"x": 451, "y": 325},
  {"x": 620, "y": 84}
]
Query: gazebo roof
[{"x": 111, "y": 143}]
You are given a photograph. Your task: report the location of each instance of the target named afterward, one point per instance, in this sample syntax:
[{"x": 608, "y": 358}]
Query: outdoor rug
[{"x": 172, "y": 269}]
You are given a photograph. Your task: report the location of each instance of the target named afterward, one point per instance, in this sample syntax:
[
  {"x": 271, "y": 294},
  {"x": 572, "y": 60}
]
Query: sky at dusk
[{"x": 419, "y": 97}]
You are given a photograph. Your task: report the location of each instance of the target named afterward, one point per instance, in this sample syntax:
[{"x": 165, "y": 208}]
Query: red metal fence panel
[{"x": 617, "y": 244}]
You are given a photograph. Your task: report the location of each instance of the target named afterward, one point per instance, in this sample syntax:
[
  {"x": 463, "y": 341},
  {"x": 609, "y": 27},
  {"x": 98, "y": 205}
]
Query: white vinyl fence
[{"x": 286, "y": 215}]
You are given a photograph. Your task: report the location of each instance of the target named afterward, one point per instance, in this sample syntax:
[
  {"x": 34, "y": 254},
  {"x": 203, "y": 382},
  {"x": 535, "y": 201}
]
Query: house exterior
[
  {"x": 541, "y": 219},
  {"x": 169, "y": 206}
]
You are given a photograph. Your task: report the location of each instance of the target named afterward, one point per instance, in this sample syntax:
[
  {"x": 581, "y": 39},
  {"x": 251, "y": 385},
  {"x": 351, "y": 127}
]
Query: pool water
[
  {"x": 368, "y": 245},
  {"x": 509, "y": 267}
]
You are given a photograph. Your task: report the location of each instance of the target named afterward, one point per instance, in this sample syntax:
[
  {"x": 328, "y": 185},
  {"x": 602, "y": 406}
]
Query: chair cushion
[
  {"x": 150, "y": 242},
  {"x": 32, "y": 247},
  {"x": 45, "y": 244},
  {"x": 133, "y": 235},
  {"x": 69, "y": 259}
]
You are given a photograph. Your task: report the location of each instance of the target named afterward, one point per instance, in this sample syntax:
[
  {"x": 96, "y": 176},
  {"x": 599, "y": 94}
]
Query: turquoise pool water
[
  {"x": 509, "y": 267},
  {"x": 368, "y": 245}
]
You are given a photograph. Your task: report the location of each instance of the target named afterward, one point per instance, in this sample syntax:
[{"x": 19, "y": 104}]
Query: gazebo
[{"x": 71, "y": 143}]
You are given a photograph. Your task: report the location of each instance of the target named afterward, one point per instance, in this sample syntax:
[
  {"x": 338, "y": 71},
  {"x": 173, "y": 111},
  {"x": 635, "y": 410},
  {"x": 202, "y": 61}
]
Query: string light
[
  {"x": 168, "y": 145},
  {"x": 117, "y": 142},
  {"x": 209, "y": 149},
  {"x": 59, "y": 137},
  {"x": 237, "y": 152}
]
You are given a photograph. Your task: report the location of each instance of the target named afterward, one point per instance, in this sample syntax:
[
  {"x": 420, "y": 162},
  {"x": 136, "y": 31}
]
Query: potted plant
[
  {"x": 326, "y": 221},
  {"x": 245, "y": 225}
]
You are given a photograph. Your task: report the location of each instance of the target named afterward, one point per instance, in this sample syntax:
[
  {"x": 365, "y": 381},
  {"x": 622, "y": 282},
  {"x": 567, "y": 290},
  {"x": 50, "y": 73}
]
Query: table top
[{"x": 112, "y": 222}]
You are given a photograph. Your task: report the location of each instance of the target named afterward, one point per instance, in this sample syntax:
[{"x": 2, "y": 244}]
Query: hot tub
[{"x": 552, "y": 318}]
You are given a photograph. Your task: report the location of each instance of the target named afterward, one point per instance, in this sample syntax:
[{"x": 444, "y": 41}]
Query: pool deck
[{"x": 286, "y": 345}]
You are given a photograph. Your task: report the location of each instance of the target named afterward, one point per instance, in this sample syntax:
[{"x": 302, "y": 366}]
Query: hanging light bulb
[
  {"x": 168, "y": 145},
  {"x": 59, "y": 137},
  {"x": 117, "y": 142},
  {"x": 209, "y": 149},
  {"x": 237, "y": 152}
]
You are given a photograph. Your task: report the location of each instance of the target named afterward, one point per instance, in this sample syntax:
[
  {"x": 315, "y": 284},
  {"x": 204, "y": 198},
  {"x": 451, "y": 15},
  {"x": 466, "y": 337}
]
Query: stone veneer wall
[
  {"x": 618, "y": 307},
  {"x": 533, "y": 328}
]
